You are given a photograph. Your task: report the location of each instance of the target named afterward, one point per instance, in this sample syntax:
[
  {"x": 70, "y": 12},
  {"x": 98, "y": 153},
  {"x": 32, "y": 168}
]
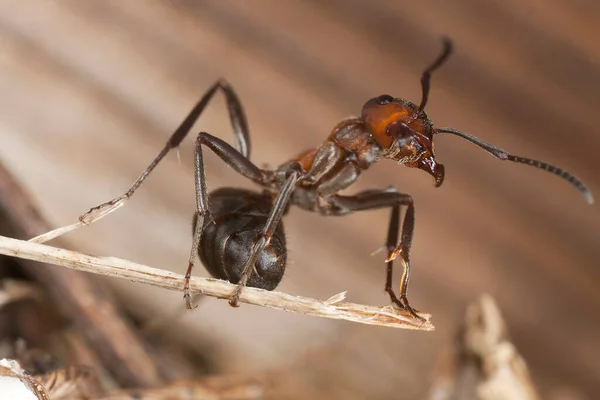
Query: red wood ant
[{"x": 388, "y": 127}]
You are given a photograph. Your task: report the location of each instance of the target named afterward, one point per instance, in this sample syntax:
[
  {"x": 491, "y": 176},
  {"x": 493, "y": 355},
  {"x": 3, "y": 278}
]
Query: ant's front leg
[
  {"x": 374, "y": 199},
  {"x": 238, "y": 162},
  {"x": 293, "y": 173}
]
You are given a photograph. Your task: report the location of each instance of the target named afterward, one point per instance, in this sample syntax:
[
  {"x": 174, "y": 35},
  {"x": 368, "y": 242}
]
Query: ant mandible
[{"x": 388, "y": 127}]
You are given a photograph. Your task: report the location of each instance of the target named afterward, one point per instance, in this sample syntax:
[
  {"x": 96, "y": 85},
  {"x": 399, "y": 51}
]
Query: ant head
[
  {"x": 402, "y": 129},
  {"x": 403, "y": 132}
]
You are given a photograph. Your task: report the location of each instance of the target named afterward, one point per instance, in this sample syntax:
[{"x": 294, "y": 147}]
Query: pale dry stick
[
  {"x": 124, "y": 269},
  {"x": 90, "y": 219}
]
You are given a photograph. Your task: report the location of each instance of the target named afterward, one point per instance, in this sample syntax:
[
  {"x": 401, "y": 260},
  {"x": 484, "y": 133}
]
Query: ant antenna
[
  {"x": 426, "y": 77},
  {"x": 501, "y": 154}
]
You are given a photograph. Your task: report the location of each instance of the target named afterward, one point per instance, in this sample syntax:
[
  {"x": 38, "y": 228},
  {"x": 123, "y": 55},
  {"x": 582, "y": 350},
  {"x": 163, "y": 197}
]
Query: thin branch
[
  {"x": 94, "y": 216},
  {"x": 123, "y": 269}
]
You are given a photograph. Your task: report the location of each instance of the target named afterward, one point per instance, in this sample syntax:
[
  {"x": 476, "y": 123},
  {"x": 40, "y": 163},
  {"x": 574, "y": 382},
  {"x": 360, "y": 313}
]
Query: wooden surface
[{"x": 91, "y": 91}]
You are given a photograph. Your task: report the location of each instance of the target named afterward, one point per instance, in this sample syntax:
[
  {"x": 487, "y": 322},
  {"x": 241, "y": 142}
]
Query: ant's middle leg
[
  {"x": 374, "y": 199},
  {"x": 240, "y": 130},
  {"x": 241, "y": 164}
]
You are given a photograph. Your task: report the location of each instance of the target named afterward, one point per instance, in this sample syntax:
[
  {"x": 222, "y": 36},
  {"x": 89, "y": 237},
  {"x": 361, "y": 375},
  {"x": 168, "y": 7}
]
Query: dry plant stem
[
  {"x": 331, "y": 308},
  {"x": 53, "y": 234},
  {"x": 79, "y": 299},
  {"x": 123, "y": 269}
]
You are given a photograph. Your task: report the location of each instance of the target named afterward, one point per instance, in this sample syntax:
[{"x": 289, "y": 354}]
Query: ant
[{"x": 389, "y": 127}]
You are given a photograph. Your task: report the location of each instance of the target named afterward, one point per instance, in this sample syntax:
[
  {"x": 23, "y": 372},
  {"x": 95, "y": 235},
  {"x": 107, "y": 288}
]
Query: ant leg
[
  {"x": 293, "y": 174},
  {"x": 403, "y": 248},
  {"x": 374, "y": 199},
  {"x": 238, "y": 162},
  {"x": 238, "y": 123}
]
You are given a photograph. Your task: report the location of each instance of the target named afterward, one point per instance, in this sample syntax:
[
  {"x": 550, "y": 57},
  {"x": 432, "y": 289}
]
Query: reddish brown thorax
[
  {"x": 306, "y": 158},
  {"x": 404, "y": 135}
]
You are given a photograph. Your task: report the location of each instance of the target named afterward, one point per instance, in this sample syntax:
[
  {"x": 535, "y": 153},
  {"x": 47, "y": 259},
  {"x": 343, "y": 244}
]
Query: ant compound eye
[{"x": 384, "y": 99}]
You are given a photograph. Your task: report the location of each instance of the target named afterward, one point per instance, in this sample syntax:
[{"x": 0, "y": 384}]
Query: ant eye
[{"x": 384, "y": 99}]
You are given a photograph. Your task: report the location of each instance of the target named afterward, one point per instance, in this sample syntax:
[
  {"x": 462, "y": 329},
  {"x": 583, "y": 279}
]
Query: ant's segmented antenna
[
  {"x": 501, "y": 154},
  {"x": 426, "y": 77}
]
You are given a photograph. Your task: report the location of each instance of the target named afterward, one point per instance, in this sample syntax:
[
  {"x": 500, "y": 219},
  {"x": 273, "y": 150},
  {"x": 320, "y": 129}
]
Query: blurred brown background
[{"x": 92, "y": 90}]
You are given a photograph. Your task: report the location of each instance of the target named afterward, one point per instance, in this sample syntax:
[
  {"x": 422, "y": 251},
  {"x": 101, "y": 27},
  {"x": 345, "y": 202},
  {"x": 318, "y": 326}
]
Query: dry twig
[{"x": 123, "y": 269}]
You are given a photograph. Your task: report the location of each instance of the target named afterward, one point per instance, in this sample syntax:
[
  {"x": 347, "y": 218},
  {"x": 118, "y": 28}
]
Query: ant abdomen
[{"x": 239, "y": 217}]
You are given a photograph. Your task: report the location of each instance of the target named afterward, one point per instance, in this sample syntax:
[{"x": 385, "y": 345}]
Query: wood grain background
[{"x": 91, "y": 91}]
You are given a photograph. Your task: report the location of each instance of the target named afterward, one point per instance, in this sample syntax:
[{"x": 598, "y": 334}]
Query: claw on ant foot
[
  {"x": 102, "y": 210},
  {"x": 402, "y": 303},
  {"x": 188, "y": 302},
  {"x": 233, "y": 302}
]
